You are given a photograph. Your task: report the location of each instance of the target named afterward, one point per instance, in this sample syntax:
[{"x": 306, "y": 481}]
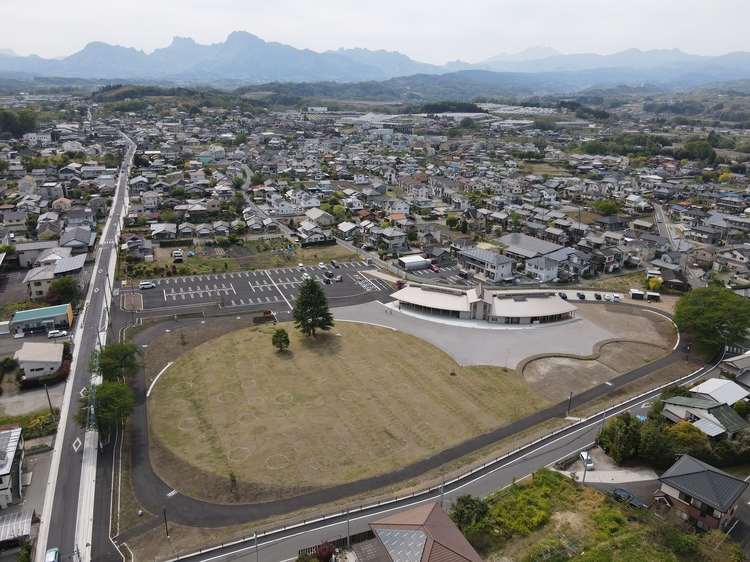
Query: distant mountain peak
[
  {"x": 8, "y": 52},
  {"x": 532, "y": 53}
]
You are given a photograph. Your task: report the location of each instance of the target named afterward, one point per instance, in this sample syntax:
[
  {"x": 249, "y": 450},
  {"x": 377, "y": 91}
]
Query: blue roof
[{"x": 37, "y": 313}]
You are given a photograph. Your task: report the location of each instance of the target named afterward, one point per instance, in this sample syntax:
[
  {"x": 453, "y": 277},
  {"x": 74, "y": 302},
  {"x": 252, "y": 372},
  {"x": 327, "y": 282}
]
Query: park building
[{"x": 516, "y": 307}]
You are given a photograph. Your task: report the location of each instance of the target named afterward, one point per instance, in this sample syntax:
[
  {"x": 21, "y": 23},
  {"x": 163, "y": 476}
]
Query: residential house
[
  {"x": 151, "y": 201},
  {"x": 487, "y": 265},
  {"x": 309, "y": 233},
  {"x": 80, "y": 239},
  {"x": 39, "y": 359},
  {"x": 543, "y": 269},
  {"x": 704, "y": 234},
  {"x": 700, "y": 494},
  {"x": 720, "y": 390},
  {"x": 15, "y": 221},
  {"x": 163, "y": 231},
  {"x": 12, "y": 454},
  {"x": 80, "y": 217},
  {"x": 321, "y": 218},
  {"x": 221, "y": 228},
  {"x": 185, "y": 230},
  {"x": 713, "y": 418}
]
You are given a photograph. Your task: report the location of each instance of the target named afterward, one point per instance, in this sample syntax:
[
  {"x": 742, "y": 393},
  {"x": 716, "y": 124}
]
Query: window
[
  {"x": 702, "y": 526},
  {"x": 681, "y": 514}
]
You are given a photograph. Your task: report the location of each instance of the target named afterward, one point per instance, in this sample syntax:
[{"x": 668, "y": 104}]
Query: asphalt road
[{"x": 61, "y": 518}]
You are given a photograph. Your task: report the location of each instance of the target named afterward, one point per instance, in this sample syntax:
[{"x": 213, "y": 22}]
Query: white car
[
  {"x": 146, "y": 285},
  {"x": 52, "y": 334},
  {"x": 321, "y": 265},
  {"x": 607, "y": 297},
  {"x": 305, "y": 276},
  {"x": 301, "y": 266}
]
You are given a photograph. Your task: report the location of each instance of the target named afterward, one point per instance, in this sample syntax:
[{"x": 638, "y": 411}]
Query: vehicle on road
[
  {"x": 52, "y": 334},
  {"x": 335, "y": 264},
  {"x": 563, "y": 296},
  {"x": 434, "y": 268},
  {"x": 301, "y": 266},
  {"x": 623, "y": 496},
  {"x": 463, "y": 275},
  {"x": 616, "y": 297},
  {"x": 607, "y": 297},
  {"x": 339, "y": 279},
  {"x": 146, "y": 285},
  {"x": 305, "y": 275},
  {"x": 581, "y": 296},
  {"x": 52, "y": 555},
  {"x": 597, "y": 296}
]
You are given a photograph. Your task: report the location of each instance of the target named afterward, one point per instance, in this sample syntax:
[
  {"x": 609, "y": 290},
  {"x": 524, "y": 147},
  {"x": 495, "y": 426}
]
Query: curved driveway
[{"x": 154, "y": 494}]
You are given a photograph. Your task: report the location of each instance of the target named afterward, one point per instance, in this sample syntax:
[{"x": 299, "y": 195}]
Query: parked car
[
  {"x": 434, "y": 268},
  {"x": 607, "y": 297},
  {"x": 463, "y": 275},
  {"x": 587, "y": 461},
  {"x": 581, "y": 296},
  {"x": 623, "y": 496},
  {"x": 563, "y": 296},
  {"x": 335, "y": 264},
  {"x": 328, "y": 274},
  {"x": 177, "y": 253},
  {"x": 146, "y": 285},
  {"x": 597, "y": 296},
  {"x": 339, "y": 279},
  {"x": 327, "y": 280},
  {"x": 321, "y": 265},
  {"x": 305, "y": 275},
  {"x": 52, "y": 334},
  {"x": 301, "y": 266}
]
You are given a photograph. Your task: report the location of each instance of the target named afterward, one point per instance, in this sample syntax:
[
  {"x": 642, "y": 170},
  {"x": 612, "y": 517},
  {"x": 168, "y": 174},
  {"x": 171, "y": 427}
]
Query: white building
[{"x": 39, "y": 359}]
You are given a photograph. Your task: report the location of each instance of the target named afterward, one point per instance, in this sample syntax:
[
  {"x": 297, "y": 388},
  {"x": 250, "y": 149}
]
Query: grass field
[{"x": 359, "y": 401}]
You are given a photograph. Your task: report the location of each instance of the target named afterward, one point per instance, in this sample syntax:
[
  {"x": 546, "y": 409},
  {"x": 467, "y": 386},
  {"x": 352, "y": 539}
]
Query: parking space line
[{"x": 279, "y": 290}]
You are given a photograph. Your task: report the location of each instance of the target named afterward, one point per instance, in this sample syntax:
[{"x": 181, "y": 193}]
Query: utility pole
[
  {"x": 166, "y": 526},
  {"x": 570, "y": 400},
  {"x": 51, "y": 411},
  {"x": 442, "y": 483}
]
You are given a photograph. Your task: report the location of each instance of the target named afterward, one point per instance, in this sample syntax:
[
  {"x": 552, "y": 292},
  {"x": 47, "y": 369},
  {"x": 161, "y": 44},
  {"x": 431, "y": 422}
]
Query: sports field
[{"x": 356, "y": 402}]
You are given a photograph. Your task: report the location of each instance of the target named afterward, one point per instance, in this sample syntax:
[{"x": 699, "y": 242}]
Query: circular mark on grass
[
  {"x": 397, "y": 444},
  {"x": 245, "y": 419},
  {"x": 188, "y": 424},
  {"x": 255, "y": 401},
  {"x": 377, "y": 395},
  {"x": 238, "y": 454},
  {"x": 283, "y": 398},
  {"x": 249, "y": 383},
  {"x": 393, "y": 367},
  {"x": 343, "y": 428},
  {"x": 348, "y": 395},
  {"x": 291, "y": 431},
  {"x": 423, "y": 428},
  {"x": 257, "y": 368},
  {"x": 378, "y": 377},
  {"x": 269, "y": 443},
  {"x": 226, "y": 397},
  {"x": 320, "y": 463},
  {"x": 302, "y": 446},
  {"x": 401, "y": 388},
  {"x": 182, "y": 386},
  {"x": 179, "y": 405},
  {"x": 280, "y": 413},
  {"x": 385, "y": 412},
  {"x": 275, "y": 462}
]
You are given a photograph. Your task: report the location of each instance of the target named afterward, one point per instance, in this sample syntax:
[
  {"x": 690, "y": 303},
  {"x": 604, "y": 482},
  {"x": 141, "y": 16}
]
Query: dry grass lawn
[{"x": 353, "y": 403}]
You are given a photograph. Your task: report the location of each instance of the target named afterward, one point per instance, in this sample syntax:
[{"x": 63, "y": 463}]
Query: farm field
[{"x": 356, "y": 402}]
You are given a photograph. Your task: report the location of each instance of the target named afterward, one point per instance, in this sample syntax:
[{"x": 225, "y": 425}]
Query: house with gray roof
[
  {"x": 715, "y": 419},
  {"x": 487, "y": 266},
  {"x": 700, "y": 494}
]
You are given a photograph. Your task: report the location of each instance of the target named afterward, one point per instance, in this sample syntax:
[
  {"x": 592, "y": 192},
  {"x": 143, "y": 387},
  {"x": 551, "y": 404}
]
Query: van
[
  {"x": 335, "y": 264},
  {"x": 588, "y": 464}
]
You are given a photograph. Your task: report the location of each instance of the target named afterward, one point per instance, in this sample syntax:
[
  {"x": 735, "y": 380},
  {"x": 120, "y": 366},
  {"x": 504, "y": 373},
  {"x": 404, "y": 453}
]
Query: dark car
[
  {"x": 328, "y": 274},
  {"x": 563, "y": 296},
  {"x": 597, "y": 296},
  {"x": 581, "y": 296},
  {"x": 327, "y": 280},
  {"x": 623, "y": 496}
]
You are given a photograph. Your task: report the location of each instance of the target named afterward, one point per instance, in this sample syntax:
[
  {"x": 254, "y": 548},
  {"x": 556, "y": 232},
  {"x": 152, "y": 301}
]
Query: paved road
[{"x": 60, "y": 520}]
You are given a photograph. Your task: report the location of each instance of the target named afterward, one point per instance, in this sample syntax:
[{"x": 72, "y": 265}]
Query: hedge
[{"x": 176, "y": 243}]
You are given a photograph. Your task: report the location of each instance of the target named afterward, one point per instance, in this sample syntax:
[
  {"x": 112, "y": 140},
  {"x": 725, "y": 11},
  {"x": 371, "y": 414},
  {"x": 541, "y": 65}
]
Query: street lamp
[{"x": 570, "y": 400}]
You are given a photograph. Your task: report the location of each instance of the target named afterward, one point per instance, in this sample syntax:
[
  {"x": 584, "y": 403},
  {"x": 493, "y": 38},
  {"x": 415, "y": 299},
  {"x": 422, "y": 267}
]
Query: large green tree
[
  {"x": 713, "y": 315},
  {"x": 311, "y": 312},
  {"x": 62, "y": 290},
  {"x": 113, "y": 403},
  {"x": 116, "y": 361}
]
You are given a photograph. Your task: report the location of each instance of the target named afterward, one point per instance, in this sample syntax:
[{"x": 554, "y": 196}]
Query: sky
[{"x": 432, "y": 31}]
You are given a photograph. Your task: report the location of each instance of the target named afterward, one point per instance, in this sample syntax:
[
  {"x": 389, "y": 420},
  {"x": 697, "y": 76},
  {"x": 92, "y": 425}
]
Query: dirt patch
[{"x": 650, "y": 337}]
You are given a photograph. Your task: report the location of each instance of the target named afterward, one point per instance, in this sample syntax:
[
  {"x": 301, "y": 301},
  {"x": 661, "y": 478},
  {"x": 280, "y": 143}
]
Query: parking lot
[
  {"x": 261, "y": 287},
  {"x": 448, "y": 275}
]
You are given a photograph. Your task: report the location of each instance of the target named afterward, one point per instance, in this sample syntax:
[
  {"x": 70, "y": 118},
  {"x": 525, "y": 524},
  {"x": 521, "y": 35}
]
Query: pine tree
[{"x": 311, "y": 312}]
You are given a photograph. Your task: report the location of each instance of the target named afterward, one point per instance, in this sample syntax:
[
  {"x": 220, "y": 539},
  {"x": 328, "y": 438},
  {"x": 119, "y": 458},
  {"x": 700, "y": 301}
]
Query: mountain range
[{"x": 245, "y": 58}]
